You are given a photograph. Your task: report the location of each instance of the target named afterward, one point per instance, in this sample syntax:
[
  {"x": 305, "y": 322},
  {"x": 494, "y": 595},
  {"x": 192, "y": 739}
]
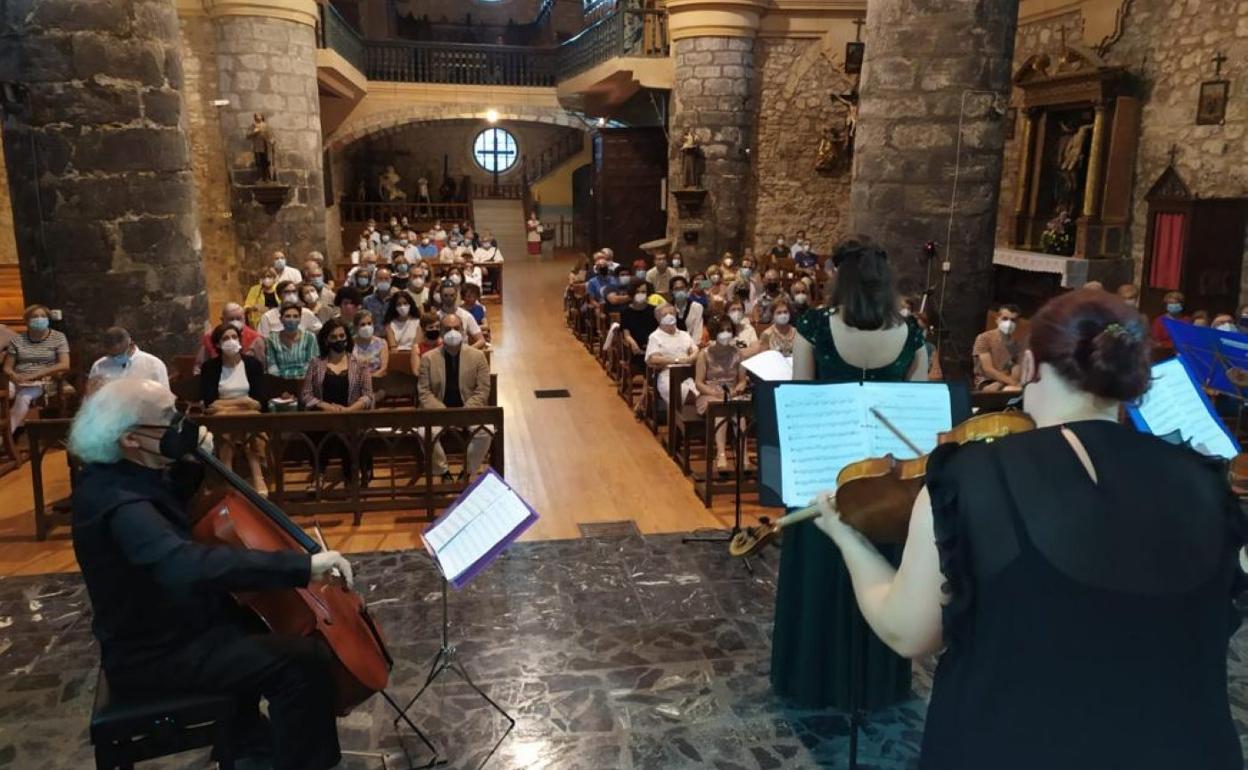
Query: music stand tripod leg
[
  {"x": 740, "y": 446},
  {"x": 437, "y": 760}
]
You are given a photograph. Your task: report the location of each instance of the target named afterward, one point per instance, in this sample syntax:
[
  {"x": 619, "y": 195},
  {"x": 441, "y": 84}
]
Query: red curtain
[{"x": 1167, "y": 251}]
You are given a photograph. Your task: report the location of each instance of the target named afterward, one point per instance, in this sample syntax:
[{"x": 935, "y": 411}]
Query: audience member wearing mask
[
  {"x": 781, "y": 334},
  {"x": 749, "y": 277},
  {"x": 1242, "y": 319},
  {"x": 488, "y": 250},
  {"x": 771, "y": 294},
  {"x": 337, "y": 382},
  {"x": 473, "y": 274},
  {"x": 370, "y": 348},
  {"x": 699, "y": 285},
  {"x": 637, "y": 323},
  {"x": 233, "y": 383},
  {"x": 1200, "y": 318},
  {"x": 799, "y": 244},
  {"x": 1174, "y": 311},
  {"x": 666, "y": 346},
  {"x": 430, "y": 337},
  {"x": 800, "y": 290},
  {"x": 998, "y": 358},
  {"x": 780, "y": 250},
  {"x": 727, "y": 268},
  {"x": 360, "y": 277},
  {"x": 123, "y": 358},
  {"x": 285, "y": 272},
  {"x": 678, "y": 265},
  {"x": 261, "y": 297},
  {"x": 598, "y": 284},
  {"x": 439, "y": 235},
  {"x": 660, "y": 275},
  {"x": 621, "y": 292},
  {"x": 402, "y": 322},
  {"x": 383, "y": 288},
  {"x": 454, "y": 376},
  {"x": 427, "y": 249},
  {"x": 34, "y": 361},
  {"x": 1129, "y": 294},
  {"x": 401, "y": 274},
  {"x": 314, "y": 276},
  {"x": 418, "y": 287},
  {"x": 231, "y": 315},
  {"x": 689, "y": 314},
  {"x": 271, "y": 321},
  {"x": 287, "y": 352},
  {"x": 470, "y": 293},
  {"x": 349, "y": 301},
  {"x": 448, "y": 304},
  {"x": 1224, "y": 322},
  {"x": 744, "y": 337},
  {"x": 717, "y": 373},
  {"x": 720, "y": 288}
]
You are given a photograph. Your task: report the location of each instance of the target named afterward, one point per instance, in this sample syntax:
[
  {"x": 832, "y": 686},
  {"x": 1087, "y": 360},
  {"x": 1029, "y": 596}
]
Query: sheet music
[
  {"x": 478, "y": 523},
  {"x": 1174, "y": 403},
  {"x": 770, "y": 366},
  {"x": 823, "y": 428}
]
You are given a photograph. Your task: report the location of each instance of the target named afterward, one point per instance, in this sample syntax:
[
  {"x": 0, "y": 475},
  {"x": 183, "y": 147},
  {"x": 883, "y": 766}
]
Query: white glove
[
  {"x": 327, "y": 564},
  {"x": 205, "y": 439}
]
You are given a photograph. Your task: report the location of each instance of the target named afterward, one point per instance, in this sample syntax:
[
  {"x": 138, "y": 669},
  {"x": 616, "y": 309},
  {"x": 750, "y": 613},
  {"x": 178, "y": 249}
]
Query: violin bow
[{"x": 896, "y": 432}]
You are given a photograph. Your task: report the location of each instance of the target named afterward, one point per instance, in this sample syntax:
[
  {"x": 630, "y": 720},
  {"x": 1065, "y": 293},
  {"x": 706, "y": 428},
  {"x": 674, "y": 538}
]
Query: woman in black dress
[{"x": 1080, "y": 575}]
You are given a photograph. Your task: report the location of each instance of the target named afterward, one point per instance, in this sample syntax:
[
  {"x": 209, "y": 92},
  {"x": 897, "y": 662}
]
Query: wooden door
[
  {"x": 1215, "y": 251},
  {"x": 630, "y": 165}
]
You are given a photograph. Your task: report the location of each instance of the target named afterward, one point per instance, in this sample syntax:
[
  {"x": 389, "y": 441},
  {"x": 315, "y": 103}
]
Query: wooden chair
[
  {"x": 651, "y": 403},
  {"x": 10, "y": 456},
  {"x": 684, "y": 424},
  {"x": 609, "y": 355},
  {"x": 629, "y": 376},
  {"x": 707, "y": 482}
]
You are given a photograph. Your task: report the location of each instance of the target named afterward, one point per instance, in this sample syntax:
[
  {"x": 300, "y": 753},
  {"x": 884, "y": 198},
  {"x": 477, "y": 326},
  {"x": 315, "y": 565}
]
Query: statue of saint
[
  {"x": 1071, "y": 157},
  {"x": 831, "y": 144},
  {"x": 690, "y": 165},
  {"x": 388, "y": 185},
  {"x": 850, "y": 101},
  {"x": 263, "y": 148}
]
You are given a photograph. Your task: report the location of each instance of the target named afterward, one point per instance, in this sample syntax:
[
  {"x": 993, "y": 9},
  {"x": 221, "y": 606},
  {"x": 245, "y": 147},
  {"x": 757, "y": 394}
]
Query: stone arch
[{"x": 354, "y": 130}]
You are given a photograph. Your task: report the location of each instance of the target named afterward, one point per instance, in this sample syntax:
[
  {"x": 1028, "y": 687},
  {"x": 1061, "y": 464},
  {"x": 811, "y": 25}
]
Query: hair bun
[{"x": 1114, "y": 355}]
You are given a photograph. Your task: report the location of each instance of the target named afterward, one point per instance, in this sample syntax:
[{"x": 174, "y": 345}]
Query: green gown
[{"x": 819, "y": 633}]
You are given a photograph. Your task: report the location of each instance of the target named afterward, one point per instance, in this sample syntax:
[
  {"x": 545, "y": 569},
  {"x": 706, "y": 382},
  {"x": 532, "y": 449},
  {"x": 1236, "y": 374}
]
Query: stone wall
[
  {"x": 714, "y": 94},
  {"x": 268, "y": 65},
  {"x": 796, "y": 80},
  {"x": 212, "y": 186},
  {"x": 8, "y": 246},
  {"x": 1170, "y": 46},
  {"x": 417, "y": 150},
  {"x": 100, "y": 171}
]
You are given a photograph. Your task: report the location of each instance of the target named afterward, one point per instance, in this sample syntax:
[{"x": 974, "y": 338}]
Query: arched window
[{"x": 495, "y": 150}]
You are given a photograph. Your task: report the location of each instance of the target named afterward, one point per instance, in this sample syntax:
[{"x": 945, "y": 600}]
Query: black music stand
[{"x": 739, "y": 447}]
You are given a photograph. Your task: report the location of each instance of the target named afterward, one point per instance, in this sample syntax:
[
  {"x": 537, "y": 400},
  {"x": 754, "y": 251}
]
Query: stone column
[
  {"x": 100, "y": 172},
  {"x": 713, "y": 94},
  {"x": 266, "y": 63},
  {"x": 928, "y": 65}
]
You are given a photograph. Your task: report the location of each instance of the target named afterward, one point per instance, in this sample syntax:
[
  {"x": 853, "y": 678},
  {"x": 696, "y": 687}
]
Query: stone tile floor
[{"x": 611, "y": 652}]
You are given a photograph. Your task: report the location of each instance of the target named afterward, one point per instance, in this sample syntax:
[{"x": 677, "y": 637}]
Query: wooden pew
[{"x": 12, "y": 300}]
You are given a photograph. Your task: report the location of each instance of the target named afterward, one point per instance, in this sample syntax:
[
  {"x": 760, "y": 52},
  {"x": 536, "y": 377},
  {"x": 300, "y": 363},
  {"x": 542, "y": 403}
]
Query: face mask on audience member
[
  {"x": 746, "y": 272},
  {"x": 279, "y": 264},
  {"x": 290, "y": 296},
  {"x": 453, "y": 338},
  {"x": 318, "y": 281},
  {"x": 38, "y": 323},
  {"x": 727, "y": 263},
  {"x": 383, "y": 287},
  {"x": 1174, "y": 308},
  {"x": 676, "y": 263},
  {"x": 801, "y": 298},
  {"x": 736, "y": 316},
  {"x": 600, "y": 269},
  {"x": 403, "y": 309},
  {"x": 724, "y": 338},
  {"x": 418, "y": 283},
  {"x": 338, "y": 346},
  {"x": 385, "y": 239},
  {"x": 905, "y": 312},
  {"x": 1006, "y": 326},
  {"x": 680, "y": 295},
  {"x": 456, "y": 278},
  {"x": 231, "y": 346},
  {"x": 310, "y": 298},
  {"x": 237, "y": 323},
  {"x": 432, "y": 334},
  {"x": 772, "y": 287},
  {"x": 402, "y": 267},
  {"x": 267, "y": 283},
  {"x": 1225, "y": 327},
  {"x": 781, "y": 319},
  {"x": 290, "y": 324},
  {"x": 448, "y": 299},
  {"x": 668, "y": 320},
  {"x": 362, "y": 280},
  {"x": 624, "y": 279},
  {"x": 639, "y": 298},
  {"x": 364, "y": 331}
]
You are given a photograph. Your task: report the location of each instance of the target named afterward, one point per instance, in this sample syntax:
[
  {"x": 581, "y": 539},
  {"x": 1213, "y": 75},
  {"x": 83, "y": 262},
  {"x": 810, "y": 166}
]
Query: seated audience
[
  {"x": 637, "y": 323},
  {"x": 781, "y": 250},
  {"x": 33, "y": 362},
  {"x": 378, "y": 300},
  {"x": 288, "y": 352},
  {"x": 348, "y": 299},
  {"x": 659, "y": 275},
  {"x": 727, "y": 268},
  {"x": 719, "y": 288},
  {"x": 471, "y": 294},
  {"x": 1223, "y": 322},
  {"x": 451, "y": 377},
  {"x": 473, "y": 274},
  {"x": 1200, "y": 318},
  {"x": 231, "y": 382},
  {"x": 745, "y": 336},
  {"x": 124, "y": 359},
  {"x": 271, "y": 320},
  {"x": 781, "y": 334},
  {"x": 1129, "y": 294},
  {"x": 621, "y": 292},
  {"x": 318, "y": 296},
  {"x": 402, "y": 322},
  {"x": 368, "y": 347},
  {"x": 666, "y": 346},
  {"x": 1174, "y": 311},
  {"x": 402, "y": 270},
  {"x": 699, "y": 285},
  {"x": 336, "y": 381},
  {"x": 430, "y": 337},
  {"x": 688, "y": 313},
  {"x": 718, "y": 375},
  {"x": 284, "y": 271},
  {"x": 261, "y": 297},
  {"x": 998, "y": 359},
  {"x": 678, "y": 265},
  {"x": 800, "y": 290},
  {"x": 771, "y": 294},
  {"x": 598, "y": 284},
  {"x": 449, "y": 305},
  {"x": 231, "y": 315},
  {"x": 487, "y": 251}
]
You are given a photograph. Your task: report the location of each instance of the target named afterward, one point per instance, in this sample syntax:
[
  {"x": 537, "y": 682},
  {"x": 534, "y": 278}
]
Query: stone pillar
[
  {"x": 713, "y": 94},
  {"x": 100, "y": 173},
  {"x": 266, "y": 63},
  {"x": 928, "y": 65}
]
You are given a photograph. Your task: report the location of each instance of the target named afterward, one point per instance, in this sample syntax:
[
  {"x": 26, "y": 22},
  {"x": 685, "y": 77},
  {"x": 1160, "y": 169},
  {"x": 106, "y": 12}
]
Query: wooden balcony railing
[
  {"x": 621, "y": 33},
  {"x": 460, "y": 64},
  {"x": 336, "y": 34}
]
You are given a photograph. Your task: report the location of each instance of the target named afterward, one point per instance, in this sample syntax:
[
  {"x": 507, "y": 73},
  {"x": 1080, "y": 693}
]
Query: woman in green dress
[{"x": 822, "y": 648}]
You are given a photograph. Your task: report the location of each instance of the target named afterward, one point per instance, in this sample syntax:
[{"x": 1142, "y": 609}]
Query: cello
[{"x": 241, "y": 518}]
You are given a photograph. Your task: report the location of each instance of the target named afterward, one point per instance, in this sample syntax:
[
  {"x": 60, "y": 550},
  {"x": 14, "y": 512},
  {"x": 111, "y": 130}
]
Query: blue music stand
[{"x": 1217, "y": 360}]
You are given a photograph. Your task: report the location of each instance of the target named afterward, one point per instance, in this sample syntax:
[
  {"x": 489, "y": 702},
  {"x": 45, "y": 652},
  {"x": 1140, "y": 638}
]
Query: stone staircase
[
  {"x": 505, "y": 218},
  {"x": 534, "y": 167}
]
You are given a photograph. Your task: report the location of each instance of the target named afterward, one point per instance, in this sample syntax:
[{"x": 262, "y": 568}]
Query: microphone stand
[{"x": 738, "y": 449}]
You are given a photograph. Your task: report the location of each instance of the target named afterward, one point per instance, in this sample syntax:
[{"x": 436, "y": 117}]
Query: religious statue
[
  {"x": 850, "y": 100},
  {"x": 361, "y": 192},
  {"x": 263, "y": 148},
  {"x": 388, "y": 186},
  {"x": 446, "y": 193},
  {"x": 690, "y": 161},
  {"x": 1071, "y": 156},
  {"x": 422, "y": 195},
  {"x": 831, "y": 143}
]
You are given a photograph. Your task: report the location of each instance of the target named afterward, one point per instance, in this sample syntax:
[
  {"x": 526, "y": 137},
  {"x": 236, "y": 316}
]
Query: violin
[
  {"x": 1237, "y": 473},
  {"x": 876, "y": 496},
  {"x": 241, "y": 518}
]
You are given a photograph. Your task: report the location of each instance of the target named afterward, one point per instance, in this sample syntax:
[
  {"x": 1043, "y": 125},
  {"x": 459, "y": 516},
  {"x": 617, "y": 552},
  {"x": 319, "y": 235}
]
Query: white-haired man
[{"x": 162, "y": 611}]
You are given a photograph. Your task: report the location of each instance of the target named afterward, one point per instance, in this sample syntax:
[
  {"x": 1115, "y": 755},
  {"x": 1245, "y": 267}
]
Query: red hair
[{"x": 1095, "y": 341}]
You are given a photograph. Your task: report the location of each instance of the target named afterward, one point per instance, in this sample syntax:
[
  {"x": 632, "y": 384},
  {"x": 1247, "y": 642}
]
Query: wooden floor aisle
[{"x": 577, "y": 460}]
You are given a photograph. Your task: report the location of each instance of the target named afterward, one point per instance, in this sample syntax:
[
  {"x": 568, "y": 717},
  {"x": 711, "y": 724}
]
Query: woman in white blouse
[
  {"x": 232, "y": 383},
  {"x": 402, "y": 322}
]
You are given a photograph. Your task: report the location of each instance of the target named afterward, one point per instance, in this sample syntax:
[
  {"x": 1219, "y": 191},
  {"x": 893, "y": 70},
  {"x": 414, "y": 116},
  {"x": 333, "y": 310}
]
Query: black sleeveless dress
[{"x": 1090, "y": 621}]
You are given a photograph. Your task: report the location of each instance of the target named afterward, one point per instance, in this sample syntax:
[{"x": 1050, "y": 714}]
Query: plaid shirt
[{"x": 290, "y": 362}]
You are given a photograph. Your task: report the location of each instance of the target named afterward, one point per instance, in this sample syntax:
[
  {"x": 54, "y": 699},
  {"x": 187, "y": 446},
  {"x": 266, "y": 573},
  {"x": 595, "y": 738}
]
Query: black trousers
[{"x": 292, "y": 674}]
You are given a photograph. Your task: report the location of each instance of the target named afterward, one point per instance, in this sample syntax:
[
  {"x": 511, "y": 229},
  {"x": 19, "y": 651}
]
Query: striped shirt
[
  {"x": 290, "y": 362},
  {"x": 29, "y": 355}
]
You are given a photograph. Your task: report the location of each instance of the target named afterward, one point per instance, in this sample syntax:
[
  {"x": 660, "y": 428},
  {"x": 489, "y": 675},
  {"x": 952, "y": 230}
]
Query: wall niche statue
[
  {"x": 692, "y": 161},
  {"x": 263, "y": 148}
]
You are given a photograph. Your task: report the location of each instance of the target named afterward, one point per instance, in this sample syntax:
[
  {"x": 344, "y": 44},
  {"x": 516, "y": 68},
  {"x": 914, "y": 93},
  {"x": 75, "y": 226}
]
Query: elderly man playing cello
[{"x": 163, "y": 614}]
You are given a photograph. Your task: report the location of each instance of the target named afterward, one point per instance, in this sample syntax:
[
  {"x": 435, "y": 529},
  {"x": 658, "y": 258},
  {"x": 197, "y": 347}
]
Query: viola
[
  {"x": 876, "y": 496},
  {"x": 241, "y": 518}
]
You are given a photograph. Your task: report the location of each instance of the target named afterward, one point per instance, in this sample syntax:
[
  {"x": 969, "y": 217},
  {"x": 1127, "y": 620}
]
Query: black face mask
[
  {"x": 772, "y": 287},
  {"x": 600, "y": 270},
  {"x": 432, "y": 334},
  {"x": 180, "y": 437},
  {"x": 338, "y": 346}
]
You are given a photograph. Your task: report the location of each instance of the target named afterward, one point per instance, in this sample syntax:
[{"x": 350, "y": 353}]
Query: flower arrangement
[{"x": 1059, "y": 235}]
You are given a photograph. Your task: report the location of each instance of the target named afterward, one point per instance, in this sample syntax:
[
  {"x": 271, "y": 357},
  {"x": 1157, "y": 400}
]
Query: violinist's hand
[
  {"x": 829, "y": 517},
  {"x": 328, "y": 563},
  {"x": 205, "y": 439}
]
